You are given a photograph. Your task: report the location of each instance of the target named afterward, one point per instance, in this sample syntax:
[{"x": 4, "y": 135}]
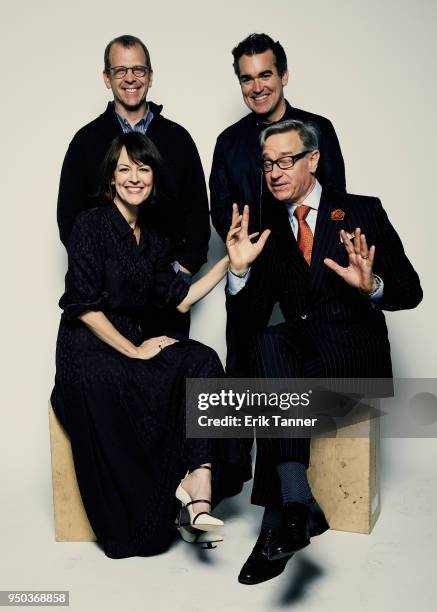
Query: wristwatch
[{"x": 378, "y": 281}]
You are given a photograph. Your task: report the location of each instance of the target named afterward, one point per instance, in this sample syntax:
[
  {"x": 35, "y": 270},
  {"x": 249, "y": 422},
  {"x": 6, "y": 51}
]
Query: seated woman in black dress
[{"x": 121, "y": 396}]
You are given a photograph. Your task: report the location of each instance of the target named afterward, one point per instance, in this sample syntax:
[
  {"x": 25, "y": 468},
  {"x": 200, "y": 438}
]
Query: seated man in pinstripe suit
[{"x": 332, "y": 287}]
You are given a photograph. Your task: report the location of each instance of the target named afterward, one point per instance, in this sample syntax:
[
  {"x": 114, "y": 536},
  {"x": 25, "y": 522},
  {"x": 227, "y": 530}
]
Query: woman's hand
[
  {"x": 241, "y": 250},
  {"x": 153, "y": 346},
  {"x": 100, "y": 325}
]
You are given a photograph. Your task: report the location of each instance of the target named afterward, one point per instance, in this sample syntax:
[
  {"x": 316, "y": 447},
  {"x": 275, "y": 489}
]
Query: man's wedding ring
[{"x": 365, "y": 256}]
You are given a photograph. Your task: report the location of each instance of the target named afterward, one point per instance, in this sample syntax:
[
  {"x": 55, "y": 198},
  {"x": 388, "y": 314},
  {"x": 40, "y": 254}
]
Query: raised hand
[
  {"x": 242, "y": 251},
  {"x": 359, "y": 273}
]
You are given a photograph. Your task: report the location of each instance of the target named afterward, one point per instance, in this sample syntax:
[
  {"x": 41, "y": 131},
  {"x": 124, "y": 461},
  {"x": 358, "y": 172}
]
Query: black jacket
[
  {"x": 348, "y": 330},
  {"x": 236, "y": 174},
  {"x": 186, "y": 216}
]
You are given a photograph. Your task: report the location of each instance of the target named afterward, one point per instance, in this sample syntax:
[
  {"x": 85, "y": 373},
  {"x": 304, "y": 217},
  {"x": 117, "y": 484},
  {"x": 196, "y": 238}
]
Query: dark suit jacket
[
  {"x": 185, "y": 219},
  {"x": 348, "y": 330},
  {"x": 236, "y": 173}
]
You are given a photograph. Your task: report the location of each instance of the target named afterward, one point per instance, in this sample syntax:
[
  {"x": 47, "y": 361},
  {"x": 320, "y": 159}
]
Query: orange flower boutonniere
[{"x": 337, "y": 215}]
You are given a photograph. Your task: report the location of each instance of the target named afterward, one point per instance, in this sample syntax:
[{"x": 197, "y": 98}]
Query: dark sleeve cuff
[{"x": 73, "y": 308}]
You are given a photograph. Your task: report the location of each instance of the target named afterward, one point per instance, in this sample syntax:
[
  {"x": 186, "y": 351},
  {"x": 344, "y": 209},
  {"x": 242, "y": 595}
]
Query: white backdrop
[{"x": 368, "y": 66}]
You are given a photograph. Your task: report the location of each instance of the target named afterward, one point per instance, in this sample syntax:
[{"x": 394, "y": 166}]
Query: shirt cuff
[
  {"x": 236, "y": 283},
  {"x": 377, "y": 296},
  {"x": 184, "y": 275}
]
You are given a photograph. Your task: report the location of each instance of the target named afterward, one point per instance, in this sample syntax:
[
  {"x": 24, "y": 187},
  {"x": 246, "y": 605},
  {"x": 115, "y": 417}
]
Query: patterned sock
[
  {"x": 271, "y": 518},
  {"x": 294, "y": 482}
]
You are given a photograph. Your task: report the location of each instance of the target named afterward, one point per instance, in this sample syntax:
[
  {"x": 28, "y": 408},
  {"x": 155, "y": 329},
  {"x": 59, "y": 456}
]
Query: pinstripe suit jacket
[{"x": 348, "y": 330}]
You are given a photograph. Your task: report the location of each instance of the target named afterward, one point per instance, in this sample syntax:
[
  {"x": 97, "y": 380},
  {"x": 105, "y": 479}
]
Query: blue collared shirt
[{"x": 140, "y": 126}]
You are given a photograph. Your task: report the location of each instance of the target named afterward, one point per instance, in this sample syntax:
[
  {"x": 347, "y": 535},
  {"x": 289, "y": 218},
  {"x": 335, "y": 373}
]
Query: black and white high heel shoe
[
  {"x": 207, "y": 522},
  {"x": 206, "y": 539}
]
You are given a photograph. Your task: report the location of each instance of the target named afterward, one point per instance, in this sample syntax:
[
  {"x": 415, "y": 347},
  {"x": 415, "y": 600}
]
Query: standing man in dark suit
[
  {"x": 332, "y": 287},
  {"x": 236, "y": 175},
  {"x": 128, "y": 73}
]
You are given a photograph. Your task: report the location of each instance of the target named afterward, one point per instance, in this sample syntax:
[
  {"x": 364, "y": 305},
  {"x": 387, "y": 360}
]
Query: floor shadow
[
  {"x": 196, "y": 552},
  {"x": 304, "y": 573},
  {"x": 238, "y": 505}
]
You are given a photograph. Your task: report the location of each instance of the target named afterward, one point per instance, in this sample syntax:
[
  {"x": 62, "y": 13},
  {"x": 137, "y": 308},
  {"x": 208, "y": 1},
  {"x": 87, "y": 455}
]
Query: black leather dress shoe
[
  {"x": 294, "y": 532},
  {"x": 258, "y": 568},
  {"x": 318, "y": 522}
]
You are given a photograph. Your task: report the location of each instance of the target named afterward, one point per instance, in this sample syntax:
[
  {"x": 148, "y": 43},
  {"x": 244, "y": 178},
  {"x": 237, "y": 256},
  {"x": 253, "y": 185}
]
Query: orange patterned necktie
[{"x": 304, "y": 234}]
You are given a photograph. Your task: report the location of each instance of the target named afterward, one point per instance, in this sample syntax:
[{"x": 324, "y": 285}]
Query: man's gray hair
[{"x": 308, "y": 132}]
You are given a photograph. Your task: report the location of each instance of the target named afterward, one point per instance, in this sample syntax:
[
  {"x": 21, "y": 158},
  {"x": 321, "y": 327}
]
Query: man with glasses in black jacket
[{"x": 128, "y": 73}]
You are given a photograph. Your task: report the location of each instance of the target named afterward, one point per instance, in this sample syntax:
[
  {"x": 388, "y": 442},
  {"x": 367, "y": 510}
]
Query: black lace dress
[{"x": 126, "y": 417}]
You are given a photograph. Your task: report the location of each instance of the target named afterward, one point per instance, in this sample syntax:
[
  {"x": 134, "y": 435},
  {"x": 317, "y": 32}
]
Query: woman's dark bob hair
[{"x": 140, "y": 150}]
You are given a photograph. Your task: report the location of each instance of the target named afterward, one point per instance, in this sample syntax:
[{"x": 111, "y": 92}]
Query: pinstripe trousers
[{"x": 281, "y": 351}]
